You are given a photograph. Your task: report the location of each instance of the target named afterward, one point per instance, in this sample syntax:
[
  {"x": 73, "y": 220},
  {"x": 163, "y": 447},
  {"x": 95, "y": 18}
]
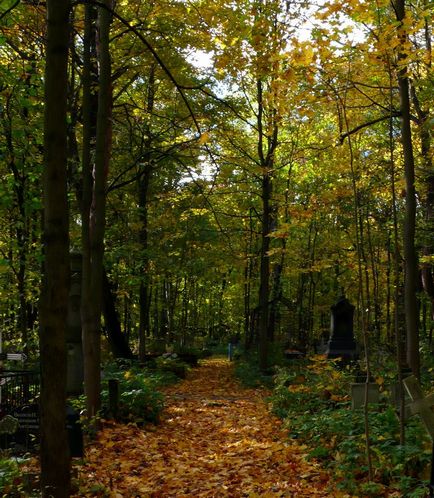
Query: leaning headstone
[
  {"x": 342, "y": 343},
  {"x": 74, "y": 363},
  {"x": 422, "y": 406}
]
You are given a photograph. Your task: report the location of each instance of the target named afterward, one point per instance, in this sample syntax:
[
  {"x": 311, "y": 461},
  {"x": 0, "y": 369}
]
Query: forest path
[{"x": 216, "y": 439}]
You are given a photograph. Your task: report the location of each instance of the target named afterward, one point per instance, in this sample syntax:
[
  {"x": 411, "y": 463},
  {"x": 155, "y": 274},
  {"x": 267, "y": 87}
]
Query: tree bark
[
  {"x": 93, "y": 246},
  {"x": 144, "y": 182},
  {"x": 117, "y": 340},
  {"x": 410, "y": 256},
  {"x": 264, "y": 275},
  {"x": 55, "y": 459}
]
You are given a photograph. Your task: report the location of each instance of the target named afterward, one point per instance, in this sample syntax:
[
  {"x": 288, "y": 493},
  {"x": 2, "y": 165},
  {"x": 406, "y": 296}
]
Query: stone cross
[{"x": 422, "y": 406}]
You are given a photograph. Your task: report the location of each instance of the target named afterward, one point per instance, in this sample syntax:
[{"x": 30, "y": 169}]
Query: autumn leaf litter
[{"x": 215, "y": 439}]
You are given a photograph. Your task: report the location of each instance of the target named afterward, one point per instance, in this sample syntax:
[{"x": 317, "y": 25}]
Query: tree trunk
[
  {"x": 117, "y": 340},
  {"x": 93, "y": 246},
  {"x": 410, "y": 257},
  {"x": 424, "y": 124},
  {"x": 55, "y": 459},
  {"x": 264, "y": 290},
  {"x": 144, "y": 181}
]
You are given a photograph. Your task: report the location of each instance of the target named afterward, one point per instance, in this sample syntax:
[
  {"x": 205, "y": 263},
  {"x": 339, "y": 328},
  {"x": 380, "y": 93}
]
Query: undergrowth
[
  {"x": 140, "y": 399},
  {"x": 313, "y": 399},
  {"x": 312, "y": 396}
]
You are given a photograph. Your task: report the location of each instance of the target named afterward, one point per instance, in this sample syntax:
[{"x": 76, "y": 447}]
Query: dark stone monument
[
  {"x": 74, "y": 432},
  {"x": 20, "y": 429},
  {"x": 74, "y": 365},
  {"x": 342, "y": 343}
]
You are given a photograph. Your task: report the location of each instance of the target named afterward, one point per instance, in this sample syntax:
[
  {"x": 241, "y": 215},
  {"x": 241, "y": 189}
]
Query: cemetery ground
[
  {"x": 219, "y": 437},
  {"x": 215, "y": 438}
]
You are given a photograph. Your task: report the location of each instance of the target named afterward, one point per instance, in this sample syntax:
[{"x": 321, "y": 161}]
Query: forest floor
[{"x": 215, "y": 439}]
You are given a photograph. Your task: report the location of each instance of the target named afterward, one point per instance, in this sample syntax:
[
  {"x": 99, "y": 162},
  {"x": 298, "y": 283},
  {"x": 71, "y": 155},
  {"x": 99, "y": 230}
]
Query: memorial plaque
[{"x": 27, "y": 435}]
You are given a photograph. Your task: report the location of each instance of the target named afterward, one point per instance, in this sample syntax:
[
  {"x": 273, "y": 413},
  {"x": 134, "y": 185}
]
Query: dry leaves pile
[{"x": 216, "y": 439}]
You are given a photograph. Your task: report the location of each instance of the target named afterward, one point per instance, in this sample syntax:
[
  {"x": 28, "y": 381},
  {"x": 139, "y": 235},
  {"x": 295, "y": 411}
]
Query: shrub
[{"x": 312, "y": 399}]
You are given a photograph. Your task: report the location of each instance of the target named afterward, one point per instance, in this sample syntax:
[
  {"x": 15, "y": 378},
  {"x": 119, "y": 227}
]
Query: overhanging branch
[{"x": 367, "y": 124}]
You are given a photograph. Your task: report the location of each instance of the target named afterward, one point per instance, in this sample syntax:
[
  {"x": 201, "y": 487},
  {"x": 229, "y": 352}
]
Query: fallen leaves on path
[{"x": 216, "y": 439}]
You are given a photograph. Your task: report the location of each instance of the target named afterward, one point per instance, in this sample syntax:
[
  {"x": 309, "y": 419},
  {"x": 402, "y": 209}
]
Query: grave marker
[
  {"x": 422, "y": 406},
  {"x": 342, "y": 342},
  {"x": 358, "y": 394}
]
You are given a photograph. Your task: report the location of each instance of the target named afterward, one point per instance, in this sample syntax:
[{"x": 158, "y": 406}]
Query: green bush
[
  {"x": 140, "y": 397},
  {"x": 248, "y": 371},
  {"x": 9, "y": 473},
  {"x": 172, "y": 366},
  {"x": 312, "y": 398},
  {"x": 250, "y": 375}
]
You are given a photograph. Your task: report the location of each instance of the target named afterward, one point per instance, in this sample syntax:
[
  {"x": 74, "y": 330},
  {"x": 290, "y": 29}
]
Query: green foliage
[
  {"x": 250, "y": 375},
  {"x": 248, "y": 371},
  {"x": 312, "y": 399},
  {"x": 9, "y": 473},
  {"x": 247, "y": 366},
  {"x": 13, "y": 482},
  {"x": 140, "y": 397},
  {"x": 172, "y": 366}
]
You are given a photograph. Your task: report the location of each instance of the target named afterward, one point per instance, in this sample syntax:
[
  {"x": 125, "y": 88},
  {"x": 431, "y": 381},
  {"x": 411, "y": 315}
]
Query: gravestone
[
  {"x": 422, "y": 406},
  {"x": 358, "y": 394},
  {"x": 28, "y": 425},
  {"x": 23, "y": 433},
  {"x": 74, "y": 432},
  {"x": 74, "y": 363},
  {"x": 342, "y": 343}
]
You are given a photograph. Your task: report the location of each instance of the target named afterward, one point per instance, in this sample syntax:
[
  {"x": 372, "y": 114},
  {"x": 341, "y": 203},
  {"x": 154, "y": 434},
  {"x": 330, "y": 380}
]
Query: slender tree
[
  {"x": 410, "y": 257},
  {"x": 94, "y": 221}
]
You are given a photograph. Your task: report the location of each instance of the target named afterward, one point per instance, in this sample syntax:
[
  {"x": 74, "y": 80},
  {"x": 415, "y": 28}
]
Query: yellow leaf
[
  {"x": 204, "y": 138},
  {"x": 379, "y": 381}
]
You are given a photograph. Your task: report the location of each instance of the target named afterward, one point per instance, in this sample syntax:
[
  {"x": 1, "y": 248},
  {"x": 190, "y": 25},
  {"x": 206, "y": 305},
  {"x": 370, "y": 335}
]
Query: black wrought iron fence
[{"x": 18, "y": 388}]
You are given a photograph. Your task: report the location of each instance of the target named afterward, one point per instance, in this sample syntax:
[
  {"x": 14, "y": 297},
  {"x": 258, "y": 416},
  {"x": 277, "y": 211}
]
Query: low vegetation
[{"x": 312, "y": 396}]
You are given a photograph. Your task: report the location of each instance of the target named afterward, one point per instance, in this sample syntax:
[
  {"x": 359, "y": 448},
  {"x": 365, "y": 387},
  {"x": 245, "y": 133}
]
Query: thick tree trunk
[
  {"x": 410, "y": 256},
  {"x": 266, "y": 148},
  {"x": 55, "y": 460}
]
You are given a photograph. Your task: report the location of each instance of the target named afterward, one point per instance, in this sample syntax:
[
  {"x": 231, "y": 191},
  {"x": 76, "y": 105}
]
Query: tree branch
[
  {"x": 6, "y": 12},
  {"x": 151, "y": 49},
  {"x": 365, "y": 125}
]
